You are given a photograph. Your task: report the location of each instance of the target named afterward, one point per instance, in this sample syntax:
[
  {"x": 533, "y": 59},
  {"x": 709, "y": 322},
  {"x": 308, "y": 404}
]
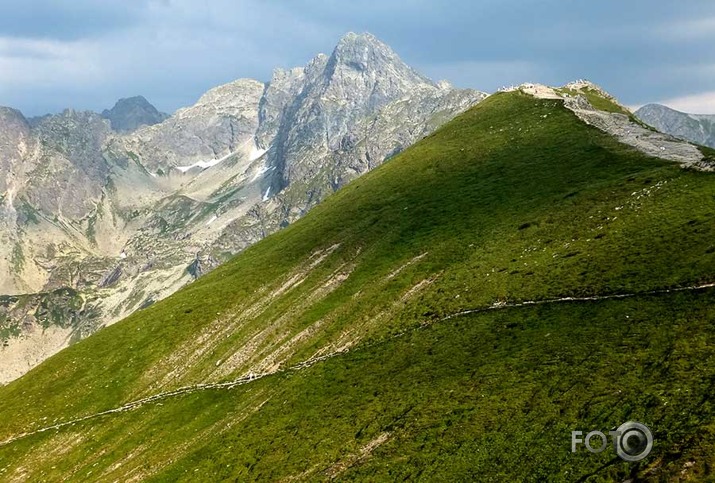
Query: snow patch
[
  {"x": 214, "y": 218},
  {"x": 256, "y": 153},
  {"x": 268, "y": 192},
  {"x": 204, "y": 164},
  {"x": 261, "y": 171}
]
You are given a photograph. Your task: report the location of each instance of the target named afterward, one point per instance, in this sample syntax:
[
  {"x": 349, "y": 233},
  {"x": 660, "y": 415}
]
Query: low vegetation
[{"x": 516, "y": 200}]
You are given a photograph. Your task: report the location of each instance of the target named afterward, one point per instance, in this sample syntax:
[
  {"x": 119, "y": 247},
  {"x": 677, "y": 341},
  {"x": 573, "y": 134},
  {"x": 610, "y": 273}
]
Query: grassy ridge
[
  {"x": 514, "y": 200},
  {"x": 490, "y": 396}
]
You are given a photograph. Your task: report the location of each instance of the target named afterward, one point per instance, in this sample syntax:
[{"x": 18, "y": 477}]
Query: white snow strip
[
  {"x": 153, "y": 175},
  {"x": 212, "y": 220},
  {"x": 256, "y": 153},
  {"x": 261, "y": 171},
  {"x": 204, "y": 164},
  {"x": 268, "y": 191}
]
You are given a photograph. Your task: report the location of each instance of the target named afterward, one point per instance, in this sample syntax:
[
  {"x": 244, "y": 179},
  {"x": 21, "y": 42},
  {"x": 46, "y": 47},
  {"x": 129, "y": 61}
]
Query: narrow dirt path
[
  {"x": 594, "y": 298},
  {"x": 310, "y": 362}
]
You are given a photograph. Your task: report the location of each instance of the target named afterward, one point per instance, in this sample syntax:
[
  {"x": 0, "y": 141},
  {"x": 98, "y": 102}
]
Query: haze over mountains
[{"x": 101, "y": 215}]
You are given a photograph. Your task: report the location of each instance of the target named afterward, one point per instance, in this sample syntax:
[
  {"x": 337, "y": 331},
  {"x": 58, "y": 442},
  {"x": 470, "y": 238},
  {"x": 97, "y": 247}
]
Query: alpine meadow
[{"x": 355, "y": 273}]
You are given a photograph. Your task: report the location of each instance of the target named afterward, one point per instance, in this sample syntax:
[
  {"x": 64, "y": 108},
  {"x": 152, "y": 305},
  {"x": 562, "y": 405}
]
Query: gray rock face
[
  {"x": 332, "y": 121},
  {"x": 361, "y": 77},
  {"x": 223, "y": 119},
  {"x": 696, "y": 128},
  {"x": 130, "y": 114},
  {"x": 126, "y": 218},
  {"x": 14, "y": 143},
  {"x": 71, "y": 172}
]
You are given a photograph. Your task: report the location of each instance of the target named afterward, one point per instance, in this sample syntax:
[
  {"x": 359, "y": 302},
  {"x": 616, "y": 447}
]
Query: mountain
[
  {"x": 527, "y": 270},
  {"x": 123, "y": 219},
  {"x": 130, "y": 114},
  {"x": 697, "y": 128}
]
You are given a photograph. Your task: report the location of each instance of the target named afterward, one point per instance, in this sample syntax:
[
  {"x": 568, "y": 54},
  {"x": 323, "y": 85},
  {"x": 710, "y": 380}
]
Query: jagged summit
[
  {"x": 131, "y": 113},
  {"x": 324, "y": 103},
  {"x": 365, "y": 53},
  {"x": 353, "y": 42},
  {"x": 8, "y": 112},
  {"x": 353, "y": 37},
  {"x": 10, "y": 120}
]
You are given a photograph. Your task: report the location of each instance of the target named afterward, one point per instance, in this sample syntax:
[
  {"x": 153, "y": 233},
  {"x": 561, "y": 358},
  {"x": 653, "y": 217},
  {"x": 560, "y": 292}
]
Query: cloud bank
[{"x": 86, "y": 54}]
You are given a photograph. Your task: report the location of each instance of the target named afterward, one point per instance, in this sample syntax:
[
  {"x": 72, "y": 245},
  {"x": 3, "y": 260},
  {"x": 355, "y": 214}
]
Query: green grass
[
  {"x": 603, "y": 103},
  {"x": 491, "y": 396},
  {"x": 709, "y": 153},
  {"x": 17, "y": 258},
  {"x": 596, "y": 99},
  {"x": 91, "y": 231},
  {"x": 514, "y": 200},
  {"x": 28, "y": 212},
  {"x": 59, "y": 308}
]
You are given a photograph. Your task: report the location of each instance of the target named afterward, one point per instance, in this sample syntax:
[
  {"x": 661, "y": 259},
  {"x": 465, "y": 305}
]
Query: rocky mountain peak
[
  {"x": 9, "y": 114},
  {"x": 131, "y": 113},
  {"x": 306, "y": 115},
  {"x": 657, "y": 109},
  {"x": 352, "y": 46},
  {"x": 360, "y": 48},
  {"x": 366, "y": 54},
  {"x": 232, "y": 93},
  {"x": 12, "y": 120},
  {"x": 699, "y": 129}
]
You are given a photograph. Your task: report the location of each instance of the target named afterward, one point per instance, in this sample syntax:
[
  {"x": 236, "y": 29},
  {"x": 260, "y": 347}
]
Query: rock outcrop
[
  {"x": 696, "y": 128},
  {"x": 131, "y": 113}
]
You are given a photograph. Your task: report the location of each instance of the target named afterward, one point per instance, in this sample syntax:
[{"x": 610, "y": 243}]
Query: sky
[{"x": 86, "y": 54}]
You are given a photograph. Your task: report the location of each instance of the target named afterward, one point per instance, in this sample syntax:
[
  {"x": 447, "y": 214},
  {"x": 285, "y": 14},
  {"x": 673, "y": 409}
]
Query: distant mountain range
[
  {"x": 537, "y": 268},
  {"x": 101, "y": 215},
  {"x": 697, "y": 128}
]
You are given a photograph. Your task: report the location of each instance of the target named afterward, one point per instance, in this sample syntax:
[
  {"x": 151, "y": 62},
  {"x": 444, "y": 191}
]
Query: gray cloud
[
  {"x": 56, "y": 19},
  {"x": 87, "y": 53}
]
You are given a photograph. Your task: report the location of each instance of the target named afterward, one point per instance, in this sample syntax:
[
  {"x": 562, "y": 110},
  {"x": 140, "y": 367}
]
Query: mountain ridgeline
[
  {"x": 697, "y": 128},
  {"x": 527, "y": 270},
  {"x": 131, "y": 113},
  {"x": 124, "y": 208}
]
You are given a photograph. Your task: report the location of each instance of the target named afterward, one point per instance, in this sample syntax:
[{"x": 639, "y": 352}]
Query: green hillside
[{"x": 516, "y": 200}]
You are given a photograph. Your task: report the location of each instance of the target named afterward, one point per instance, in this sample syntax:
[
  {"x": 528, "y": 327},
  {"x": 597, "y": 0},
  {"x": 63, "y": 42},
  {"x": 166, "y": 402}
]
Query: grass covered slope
[
  {"x": 492, "y": 396},
  {"x": 514, "y": 200}
]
